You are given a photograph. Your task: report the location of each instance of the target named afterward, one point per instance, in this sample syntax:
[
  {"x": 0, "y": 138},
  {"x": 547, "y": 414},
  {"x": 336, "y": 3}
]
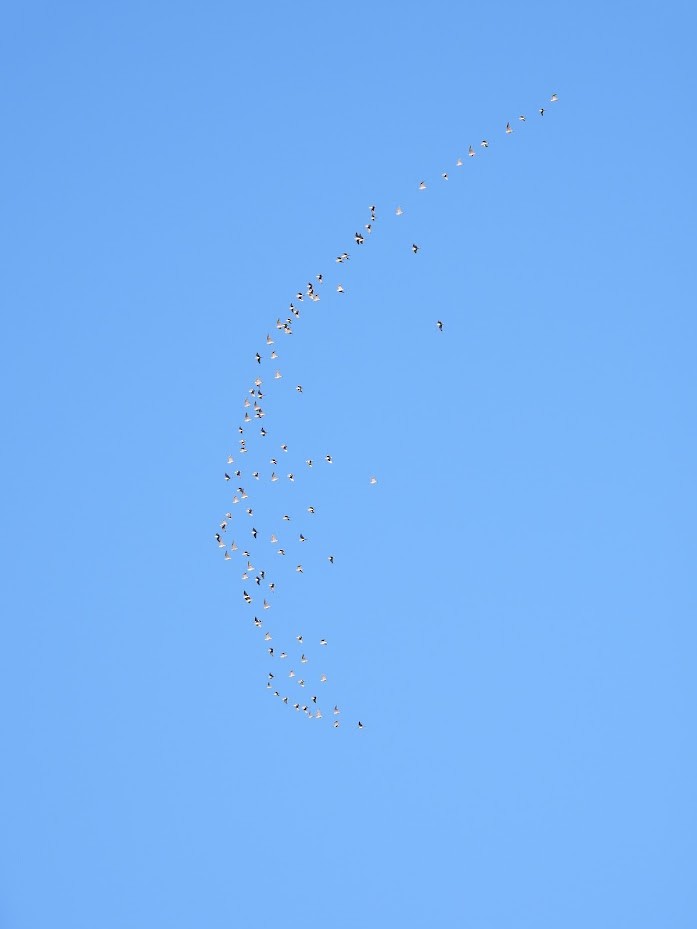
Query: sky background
[{"x": 512, "y": 608}]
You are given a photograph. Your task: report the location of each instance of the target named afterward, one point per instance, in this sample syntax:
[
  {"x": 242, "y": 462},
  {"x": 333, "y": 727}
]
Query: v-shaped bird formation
[{"x": 298, "y": 677}]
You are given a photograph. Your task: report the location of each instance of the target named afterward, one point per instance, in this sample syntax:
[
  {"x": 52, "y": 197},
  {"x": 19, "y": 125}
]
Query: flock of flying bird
[{"x": 301, "y": 688}]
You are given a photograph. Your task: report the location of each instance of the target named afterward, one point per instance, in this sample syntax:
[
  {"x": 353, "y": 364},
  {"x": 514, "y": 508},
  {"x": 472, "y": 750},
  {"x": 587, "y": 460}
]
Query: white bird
[
  {"x": 257, "y": 622},
  {"x": 274, "y": 476},
  {"x": 267, "y": 637},
  {"x": 398, "y": 211},
  {"x": 444, "y": 176},
  {"x": 291, "y": 674},
  {"x": 269, "y": 340},
  {"x": 373, "y": 480},
  {"x": 339, "y": 289},
  {"x": 322, "y": 641},
  {"x": 267, "y": 605},
  {"x": 227, "y": 556},
  {"x": 273, "y": 538},
  {"x": 484, "y": 143},
  {"x": 278, "y": 375},
  {"x": 291, "y": 477},
  {"x": 230, "y": 459},
  {"x": 303, "y": 658},
  {"x": 323, "y": 679},
  {"x": 336, "y": 710},
  {"x": 281, "y": 551},
  {"x": 522, "y": 119},
  {"x": 299, "y": 639},
  {"x": 319, "y": 278},
  {"x": 422, "y": 185},
  {"x": 553, "y": 98},
  {"x": 471, "y": 152},
  {"x": 308, "y": 462},
  {"x": 508, "y": 129},
  {"x": 284, "y": 448},
  {"x": 299, "y": 569},
  {"x": 310, "y": 509}
]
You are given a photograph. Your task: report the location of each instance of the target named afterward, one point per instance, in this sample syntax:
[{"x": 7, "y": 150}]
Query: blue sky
[{"x": 512, "y": 607}]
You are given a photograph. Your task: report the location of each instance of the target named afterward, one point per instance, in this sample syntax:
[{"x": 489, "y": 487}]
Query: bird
[
  {"x": 459, "y": 163},
  {"x": 227, "y": 476},
  {"x": 553, "y": 98},
  {"x": 291, "y": 477},
  {"x": 299, "y": 638},
  {"x": 287, "y": 518},
  {"x": 359, "y": 238},
  {"x": 284, "y": 448},
  {"x": 339, "y": 289},
  {"x": 299, "y": 569},
  {"x": 254, "y": 532},
  {"x": 471, "y": 152},
  {"x": 522, "y": 119},
  {"x": 440, "y": 326},
  {"x": 323, "y": 679},
  {"x": 258, "y": 358},
  {"x": 336, "y": 710},
  {"x": 330, "y": 558},
  {"x": 336, "y": 723},
  {"x": 299, "y": 388},
  {"x": 227, "y": 556},
  {"x": 269, "y": 340},
  {"x": 373, "y": 480},
  {"x": 273, "y": 538},
  {"x": 319, "y": 278},
  {"x": 484, "y": 143},
  {"x": 360, "y": 724},
  {"x": 322, "y": 641},
  {"x": 278, "y": 375},
  {"x": 291, "y": 674},
  {"x": 444, "y": 176},
  {"x": 508, "y": 129},
  {"x": 398, "y": 211},
  {"x": 302, "y": 538},
  {"x": 270, "y": 651},
  {"x": 304, "y": 659},
  {"x": 308, "y": 462},
  {"x": 422, "y": 185},
  {"x": 257, "y": 622},
  {"x": 267, "y": 638},
  {"x": 281, "y": 551},
  {"x": 230, "y": 459},
  {"x": 542, "y": 111},
  {"x": 246, "y": 596},
  {"x": 310, "y": 509},
  {"x": 274, "y": 476},
  {"x": 415, "y": 248},
  {"x": 328, "y": 458}
]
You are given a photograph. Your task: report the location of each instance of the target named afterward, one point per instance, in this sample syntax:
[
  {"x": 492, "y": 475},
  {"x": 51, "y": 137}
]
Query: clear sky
[{"x": 512, "y": 608}]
